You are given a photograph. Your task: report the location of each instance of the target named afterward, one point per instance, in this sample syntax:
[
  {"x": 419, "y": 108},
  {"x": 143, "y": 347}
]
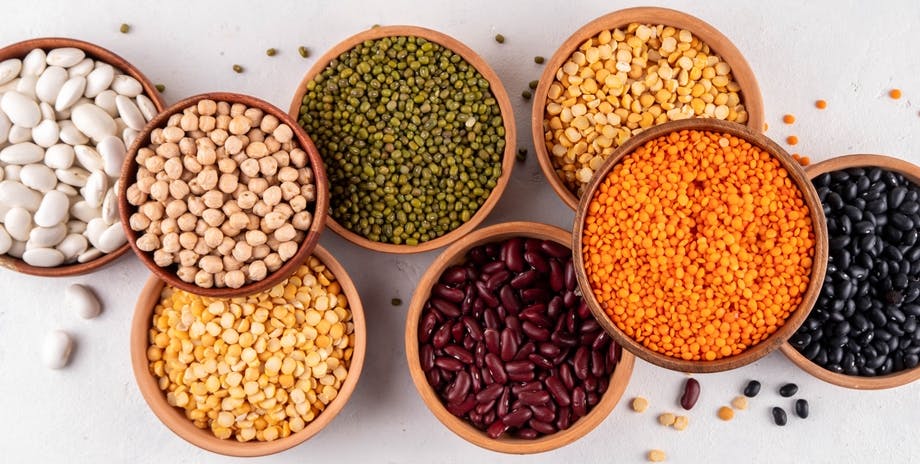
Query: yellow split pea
[
  {"x": 621, "y": 82},
  {"x": 259, "y": 367}
]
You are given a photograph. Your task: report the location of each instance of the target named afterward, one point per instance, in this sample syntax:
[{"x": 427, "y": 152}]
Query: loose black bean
[
  {"x": 779, "y": 416},
  {"x": 752, "y": 389},
  {"x": 801, "y": 408},
  {"x": 788, "y": 390}
]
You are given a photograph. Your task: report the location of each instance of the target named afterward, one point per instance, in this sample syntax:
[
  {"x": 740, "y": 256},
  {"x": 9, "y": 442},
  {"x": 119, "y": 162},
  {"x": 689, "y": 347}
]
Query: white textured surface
[{"x": 847, "y": 52}]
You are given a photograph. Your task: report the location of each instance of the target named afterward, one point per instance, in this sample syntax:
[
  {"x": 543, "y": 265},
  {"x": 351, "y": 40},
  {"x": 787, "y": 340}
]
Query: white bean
[
  {"x": 71, "y": 135},
  {"x": 82, "y": 300},
  {"x": 9, "y": 69},
  {"x": 22, "y": 110},
  {"x": 106, "y": 101},
  {"x": 34, "y": 63},
  {"x": 38, "y": 177},
  {"x": 89, "y": 255},
  {"x": 146, "y": 106},
  {"x": 99, "y": 80},
  {"x": 56, "y": 349},
  {"x": 112, "y": 238},
  {"x": 93, "y": 121},
  {"x": 70, "y": 92},
  {"x": 43, "y": 257},
  {"x": 5, "y": 240},
  {"x": 129, "y": 112},
  {"x": 94, "y": 190},
  {"x": 127, "y": 85},
  {"x": 49, "y": 84},
  {"x": 59, "y": 156},
  {"x": 53, "y": 209},
  {"x": 88, "y": 157},
  {"x": 22, "y": 153},
  {"x": 14, "y": 194},
  {"x": 46, "y": 133},
  {"x": 73, "y": 244},
  {"x": 44, "y": 237},
  {"x": 113, "y": 151}
]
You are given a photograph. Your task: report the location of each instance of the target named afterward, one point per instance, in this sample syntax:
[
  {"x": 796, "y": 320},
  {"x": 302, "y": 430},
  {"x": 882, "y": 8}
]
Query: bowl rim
[
  {"x": 741, "y": 70},
  {"x": 498, "y": 91},
  {"x": 176, "y": 421},
  {"x": 99, "y": 53},
  {"x": 856, "y": 382},
  {"x": 305, "y": 247},
  {"x": 819, "y": 260},
  {"x": 619, "y": 379}
]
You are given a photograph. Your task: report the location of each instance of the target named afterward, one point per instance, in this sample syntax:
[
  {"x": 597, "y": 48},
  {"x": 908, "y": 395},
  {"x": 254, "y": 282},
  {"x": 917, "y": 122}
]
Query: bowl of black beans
[
  {"x": 416, "y": 133},
  {"x": 502, "y": 347},
  {"x": 864, "y": 330}
]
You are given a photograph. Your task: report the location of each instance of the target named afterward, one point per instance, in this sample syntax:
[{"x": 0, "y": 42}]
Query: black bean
[
  {"x": 752, "y": 389},
  {"x": 779, "y": 416},
  {"x": 788, "y": 390}
]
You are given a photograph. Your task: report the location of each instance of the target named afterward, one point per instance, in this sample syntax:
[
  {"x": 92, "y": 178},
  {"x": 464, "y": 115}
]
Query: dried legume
[
  {"x": 656, "y": 456},
  {"x": 792, "y": 140},
  {"x": 237, "y": 68},
  {"x": 160, "y": 88},
  {"x": 621, "y": 82},
  {"x": 271, "y": 52},
  {"x": 639, "y": 404},
  {"x": 788, "y": 390},
  {"x": 740, "y": 403},
  {"x": 691, "y": 394},
  {"x": 396, "y": 302},
  {"x": 499, "y": 38},
  {"x": 538, "y": 59},
  {"x": 698, "y": 245},
  {"x": 666, "y": 419},
  {"x": 821, "y": 104},
  {"x": 865, "y": 321},
  {"x": 681, "y": 423},
  {"x": 788, "y": 119},
  {"x": 752, "y": 389},
  {"x": 726, "y": 413},
  {"x": 526, "y": 95},
  {"x": 255, "y": 368},
  {"x": 125, "y": 28},
  {"x": 779, "y": 416},
  {"x": 508, "y": 345},
  {"x": 411, "y": 135},
  {"x": 801, "y": 408},
  {"x": 894, "y": 94},
  {"x": 303, "y": 51}
]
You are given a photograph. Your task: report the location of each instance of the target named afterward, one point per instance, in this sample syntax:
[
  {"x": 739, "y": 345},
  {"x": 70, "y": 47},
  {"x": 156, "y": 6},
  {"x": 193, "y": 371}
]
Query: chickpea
[
  {"x": 188, "y": 240},
  {"x": 272, "y": 195},
  {"x": 228, "y": 183},
  {"x": 207, "y": 178},
  {"x": 176, "y": 208},
  {"x": 154, "y": 211},
  {"x": 287, "y": 250},
  {"x": 207, "y": 154},
  {"x": 256, "y": 237},
  {"x": 285, "y": 233},
  {"x": 226, "y": 246},
  {"x": 256, "y": 150},
  {"x": 207, "y": 123},
  {"x": 272, "y": 144},
  {"x": 171, "y": 133},
  {"x": 302, "y": 220},
  {"x": 260, "y": 251},
  {"x": 308, "y": 192},
  {"x": 234, "y": 145},
  {"x": 187, "y": 147},
  {"x": 213, "y": 237},
  {"x": 242, "y": 251},
  {"x": 298, "y": 158},
  {"x": 170, "y": 243},
  {"x": 187, "y": 222},
  {"x": 196, "y": 205},
  {"x": 213, "y": 217},
  {"x": 138, "y": 221},
  {"x": 200, "y": 227},
  {"x": 234, "y": 279},
  {"x": 173, "y": 168},
  {"x": 273, "y": 262},
  {"x": 168, "y": 225},
  {"x": 194, "y": 187},
  {"x": 272, "y": 221},
  {"x": 255, "y": 135},
  {"x": 188, "y": 258},
  {"x": 219, "y": 135},
  {"x": 191, "y": 164},
  {"x": 283, "y": 158},
  {"x": 189, "y": 122},
  {"x": 148, "y": 242},
  {"x": 207, "y": 107},
  {"x": 283, "y": 133},
  {"x": 163, "y": 258},
  {"x": 187, "y": 273},
  {"x": 201, "y": 248},
  {"x": 261, "y": 208},
  {"x": 179, "y": 189},
  {"x": 298, "y": 203},
  {"x": 159, "y": 191},
  {"x": 213, "y": 199},
  {"x": 231, "y": 263},
  {"x": 204, "y": 279},
  {"x": 268, "y": 166},
  {"x": 257, "y": 270},
  {"x": 269, "y": 123},
  {"x": 211, "y": 264},
  {"x": 135, "y": 196},
  {"x": 223, "y": 108}
]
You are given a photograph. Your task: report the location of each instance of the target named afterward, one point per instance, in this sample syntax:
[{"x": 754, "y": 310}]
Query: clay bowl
[
  {"x": 856, "y": 382},
  {"x": 19, "y": 50},
  {"x": 795, "y": 319},
  {"x": 498, "y": 91},
  {"x": 129, "y": 174},
  {"x": 744, "y": 76},
  {"x": 456, "y": 254},
  {"x": 174, "y": 418}
]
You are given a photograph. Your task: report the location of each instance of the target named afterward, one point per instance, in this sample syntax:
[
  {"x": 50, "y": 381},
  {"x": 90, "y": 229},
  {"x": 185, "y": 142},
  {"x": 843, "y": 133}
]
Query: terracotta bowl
[
  {"x": 498, "y": 90},
  {"x": 744, "y": 76},
  {"x": 174, "y": 418},
  {"x": 129, "y": 173},
  {"x": 795, "y": 319},
  {"x": 19, "y": 50},
  {"x": 456, "y": 254},
  {"x": 856, "y": 382}
]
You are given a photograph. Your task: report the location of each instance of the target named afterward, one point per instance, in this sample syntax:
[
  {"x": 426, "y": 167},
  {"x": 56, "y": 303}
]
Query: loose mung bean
[
  {"x": 237, "y": 68},
  {"x": 533, "y": 85},
  {"x": 160, "y": 88},
  {"x": 801, "y": 408},
  {"x": 623, "y": 81},
  {"x": 779, "y": 416},
  {"x": 125, "y": 28},
  {"x": 539, "y": 59},
  {"x": 752, "y": 389},
  {"x": 507, "y": 350},
  {"x": 521, "y": 154},
  {"x": 396, "y": 302},
  {"x": 271, "y": 52},
  {"x": 411, "y": 135},
  {"x": 865, "y": 321},
  {"x": 303, "y": 51},
  {"x": 499, "y": 38}
]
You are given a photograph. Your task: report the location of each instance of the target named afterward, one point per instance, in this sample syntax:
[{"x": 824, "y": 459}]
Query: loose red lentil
[
  {"x": 821, "y": 104},
  {"x": 788, "y": 119},
  {"x": 802, "y": 160},
  {"x": 792, "y": 140},
  {"x": 894, "y": 93},
  {"x": 698, "y": 245}
]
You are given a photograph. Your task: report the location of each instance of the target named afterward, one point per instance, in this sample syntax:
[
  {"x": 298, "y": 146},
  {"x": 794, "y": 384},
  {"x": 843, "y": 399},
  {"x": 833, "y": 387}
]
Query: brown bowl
[
  {"x": 498, "y": 90},
  {"x": 175, "y": 419},
  {"x": 455, "y": 254},
  {"x": 819, "y": 264},
  {"x": 19, "y": 50},
  {"x": 897, "y": 379},
  {"x": 744, "y": 76},
  {"x": 129, "y": 173}
]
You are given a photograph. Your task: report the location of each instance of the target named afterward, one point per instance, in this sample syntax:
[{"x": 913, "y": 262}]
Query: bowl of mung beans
[
  {"x": 60, "y": 163},
  {"x": 255, "y": 375},
  {"x": 625, "y": 72},
  {"x": 223, "y": 195},
  {"x": 417, "y": 135},
  {"x": 863, "y": 332},
  {"x": 502, "y": 347},
  {"x": 701, "y": 246}
]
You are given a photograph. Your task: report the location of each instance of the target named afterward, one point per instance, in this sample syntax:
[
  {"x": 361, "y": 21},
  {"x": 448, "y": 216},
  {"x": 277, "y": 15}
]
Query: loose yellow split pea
[
  {"x": 639, "y": 404},
  {"x": 656, "y": 456},
  {"x": 667, "y": 419},
  {"x": 740, "y": 403},
  {"x": 726, "y": 413},
  {"x": 681, "y": 422}
]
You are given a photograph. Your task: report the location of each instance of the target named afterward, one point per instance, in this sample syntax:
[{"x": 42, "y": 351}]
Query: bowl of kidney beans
[
  {"x": 864, "y": 330},
  {"x": 503, "y": 349}
]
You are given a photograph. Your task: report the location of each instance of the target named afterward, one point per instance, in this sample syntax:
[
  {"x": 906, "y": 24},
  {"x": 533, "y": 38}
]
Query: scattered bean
[
  {"x": 691, "y": 394},
  {"x": 788, "y": 390},
  {"x": 821, "y": 104},
  {"x": 56, "y": 349},
  {"x": 125, "y": 28},
  {"x": 681, "y": 423},
  {"x": 160, "y": 88},
  {"x": 788, "y": 119},
  {"x": 539, "y": 59},
  {"x": 656, "y": 456},
  {"x": 526, "y": 95},
  {"x": 499, "y": 38},
  {"x": 894, "y": 94},
  {"x": 667, "y": 419},
  {"x": 83, "y": 301},
  {"x": 639, "y": 404},
  {"x": 792, "y": 140},
  {"x": 801, "y": 408},
  {"x": 396, "y": 302},
  {"x": 752, "y": 389},
  {"x": 740, "y": 403},
  {"x": 303, "y": 51},
  {"x": 237, "y": 68},
  {"x": 779, "y": 416},
  {"x": 271, "y": 52},
  {"x": 726, "y": 413}
]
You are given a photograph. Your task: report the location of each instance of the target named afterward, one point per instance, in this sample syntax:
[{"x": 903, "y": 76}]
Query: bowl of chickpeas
[
  {"x": 624, "y": 73},
  {"x": 223, "y": 195},
  {"x": 255, "y": 375}
]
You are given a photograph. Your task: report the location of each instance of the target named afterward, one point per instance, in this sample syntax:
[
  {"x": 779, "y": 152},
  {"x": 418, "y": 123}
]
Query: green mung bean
[
  {"x": 160, "y": 88},
  {"x": 539, "y": 59},
  {"x": 411, "y": 136},
  {"x": 499, "y": 38},
  {"x": 271, "y": 52},
  {"x": 533, "y": 85},
  {"x": 237, "y": 68},
  {"x": 304, "y": 51}
]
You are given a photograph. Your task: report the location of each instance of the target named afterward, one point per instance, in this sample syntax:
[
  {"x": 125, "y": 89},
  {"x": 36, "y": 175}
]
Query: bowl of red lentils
[
  {"x": 626, "y": 72},
  {"x": 701, "y": 245},
  {"x": 502, "y": 347},
  {"x": 254, "y": 375}
]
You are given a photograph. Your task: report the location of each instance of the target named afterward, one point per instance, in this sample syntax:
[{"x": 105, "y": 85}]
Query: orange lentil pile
[{"x": 698, "y": 245}]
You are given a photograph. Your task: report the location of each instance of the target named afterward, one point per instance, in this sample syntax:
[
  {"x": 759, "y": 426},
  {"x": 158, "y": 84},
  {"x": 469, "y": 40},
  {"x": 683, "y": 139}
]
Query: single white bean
[
  {"x": 38, "y": 177},
  {"x": 44, "y": 237},
  {"x": 84, "y": 212},
  {"x": 113, "y": 153},
  {"x": 20, "y": 134},
  {"x": 129, "y": 135},
  {"x": 72, "y": 176},
  {"x": 46, "y": 133},
  {"x": 14, "y": 194},
  {"x": 71, "y": 91},
  {"x": 67, "y": 189},
  {"x": 26, "y": 86},
  {"x": 73, "y": 245},
  {"x": 89, "y": 255},
  {"x": 18, "y": 223},
  {"x": 49, "y": 83},
  {"x": 9, "y": 69},
  {"x": 47, "y": 111},
  {"x": 56, "y": 349},
  {"x": 5, "y": 240},
  {"x": 65, "y": 56},
  {"x": 17, "y": 249},
  {"x": 71, "y": 135},
  {"x": 43, "y": 257},
  {"x": 53, "y": 209},
  {"x": 129, "y": 112},
  {"x": 88, "y": 157},
  {"x": 112, "y": 238},
  {"x": 110, "y": 207},
  {"x": 95, "y": 227},
  {"x": 106, "y": 101},
  {"x": 148, "y": 109},
  {"x": 82, "y": 300},
  {"x": 93, "y": 121},
  {"x": 34, "y": 63},
  {"x": 59, "y": 156},
  {"x": 76, "y": 226},
  {"x": 83, "y": 68},
  {"x": 22, "y": 153},
  {"x": 5, "y": 125},
  {"x": 94, "y": 190},
  {"x": 11, "y": 172},
  {"x": 99, "y": 80},
  {"x": 22, "y": 110},
  {"x": 127, "y": 85}
]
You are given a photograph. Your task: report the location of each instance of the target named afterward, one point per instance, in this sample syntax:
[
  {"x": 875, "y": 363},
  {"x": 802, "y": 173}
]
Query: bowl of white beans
[{"x": 68, "y": 110}]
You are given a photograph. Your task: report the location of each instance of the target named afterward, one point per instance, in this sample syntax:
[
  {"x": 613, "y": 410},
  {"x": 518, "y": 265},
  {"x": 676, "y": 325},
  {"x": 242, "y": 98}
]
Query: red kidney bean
[
  {"x": 475, "y": 379},
  {"x": 454, "y": 275},
  {"x": 486, "y": 294},
  {"x": 600, "y": 341},
  {"x": 556, "y": 250},
  {"x": 459, "y": 353},
  {"x": 509, "y": 299},
  {"x": 580, "y": 363},
  {"x": 613, "y": 353},
  {"x": 485, "y": 407},
  {"x": 571, "y": 282},
  {"x": 426, "y": 357},
  {"x": 586, "y": 338},
  {"x": 534, "y": 331},
  {"x": 456, "y": 331},
  {"x": 583, "y": 311},
  {"x": 556, "y": 275},
  {"x": 449, "y": 364},
  {"x": 545, "y": 428},
  {"x": 514, "y": 323},
  {"x": 517, "y": 417},
  {"x": 472, "y": 328},
  {"x": 537, "y": 261},
  {"x": 462, "y": 407},
  {"x": 590, "y": 383},
  {"x": 562, "y": 357},
  {"x": 490, "y": 393},
  {"x": 426, "y": 327},
  {"x": 434, "y": 378},
  {"x": 519, "y": 367},
  {"x": 442, "y": 337},
  {"x": 459, "y": 388},
  {"x": 579, "y": 398},
  {"x": 492, "y": 340},
  {"x": 602, "y": 384},
  {"x": 490, "y": 319},
  {"x": 526, "y": 386},
  {"x": 469, "y": 343},
  {"x": 571, "y": 320},
  {"x": 598, "y": 363},
  {"x": 543, "y": 413},
  {"x": 535, "y": 317},
  {"x": 495, "y": 367},
  {"x": 522, "y": 376},
  {"x": 497, "y": 280},
  {"x": 590, "y": 325},
  {"x": 479, "y": 354},
  {"x": 691, "y": 394},
  {"x": 558, "y": 389},
  {"x": 454, "y": 295},
  {"x": 534, "y": 295},
  {"x": 486, "y": 375},
  {"x": 496, "y": 429},
  {"x": 526, "y": 434},
  {"x": 570, "y": 299},
  {"x": 565, "y": 375},
  {"x": 534, "y": 398},
  {"x": 509, "y": 345},
  {"x": 504, "y": 402},
  {"x": 525, "y": 279},
  {"x": 592, "y": 399},
  {"x": 489, "y": 417},
  {"x": 563, "y": 339},
  {"x": 540, "y": 361},
  {"x": 469, "y": 300},
  {"x": 524, "y": 351},
  {"x": 475, "y": 418},
  {"x": 514, "y": 257},
  {"x": 564, "y": 418},
  {"x": 493, "y": 267},
  {"x": 445, "y": 307},
  {"x": 479, "y": 256},
  {"x": 549, "y": 350},
  {"x": 555, "y": 307}
]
